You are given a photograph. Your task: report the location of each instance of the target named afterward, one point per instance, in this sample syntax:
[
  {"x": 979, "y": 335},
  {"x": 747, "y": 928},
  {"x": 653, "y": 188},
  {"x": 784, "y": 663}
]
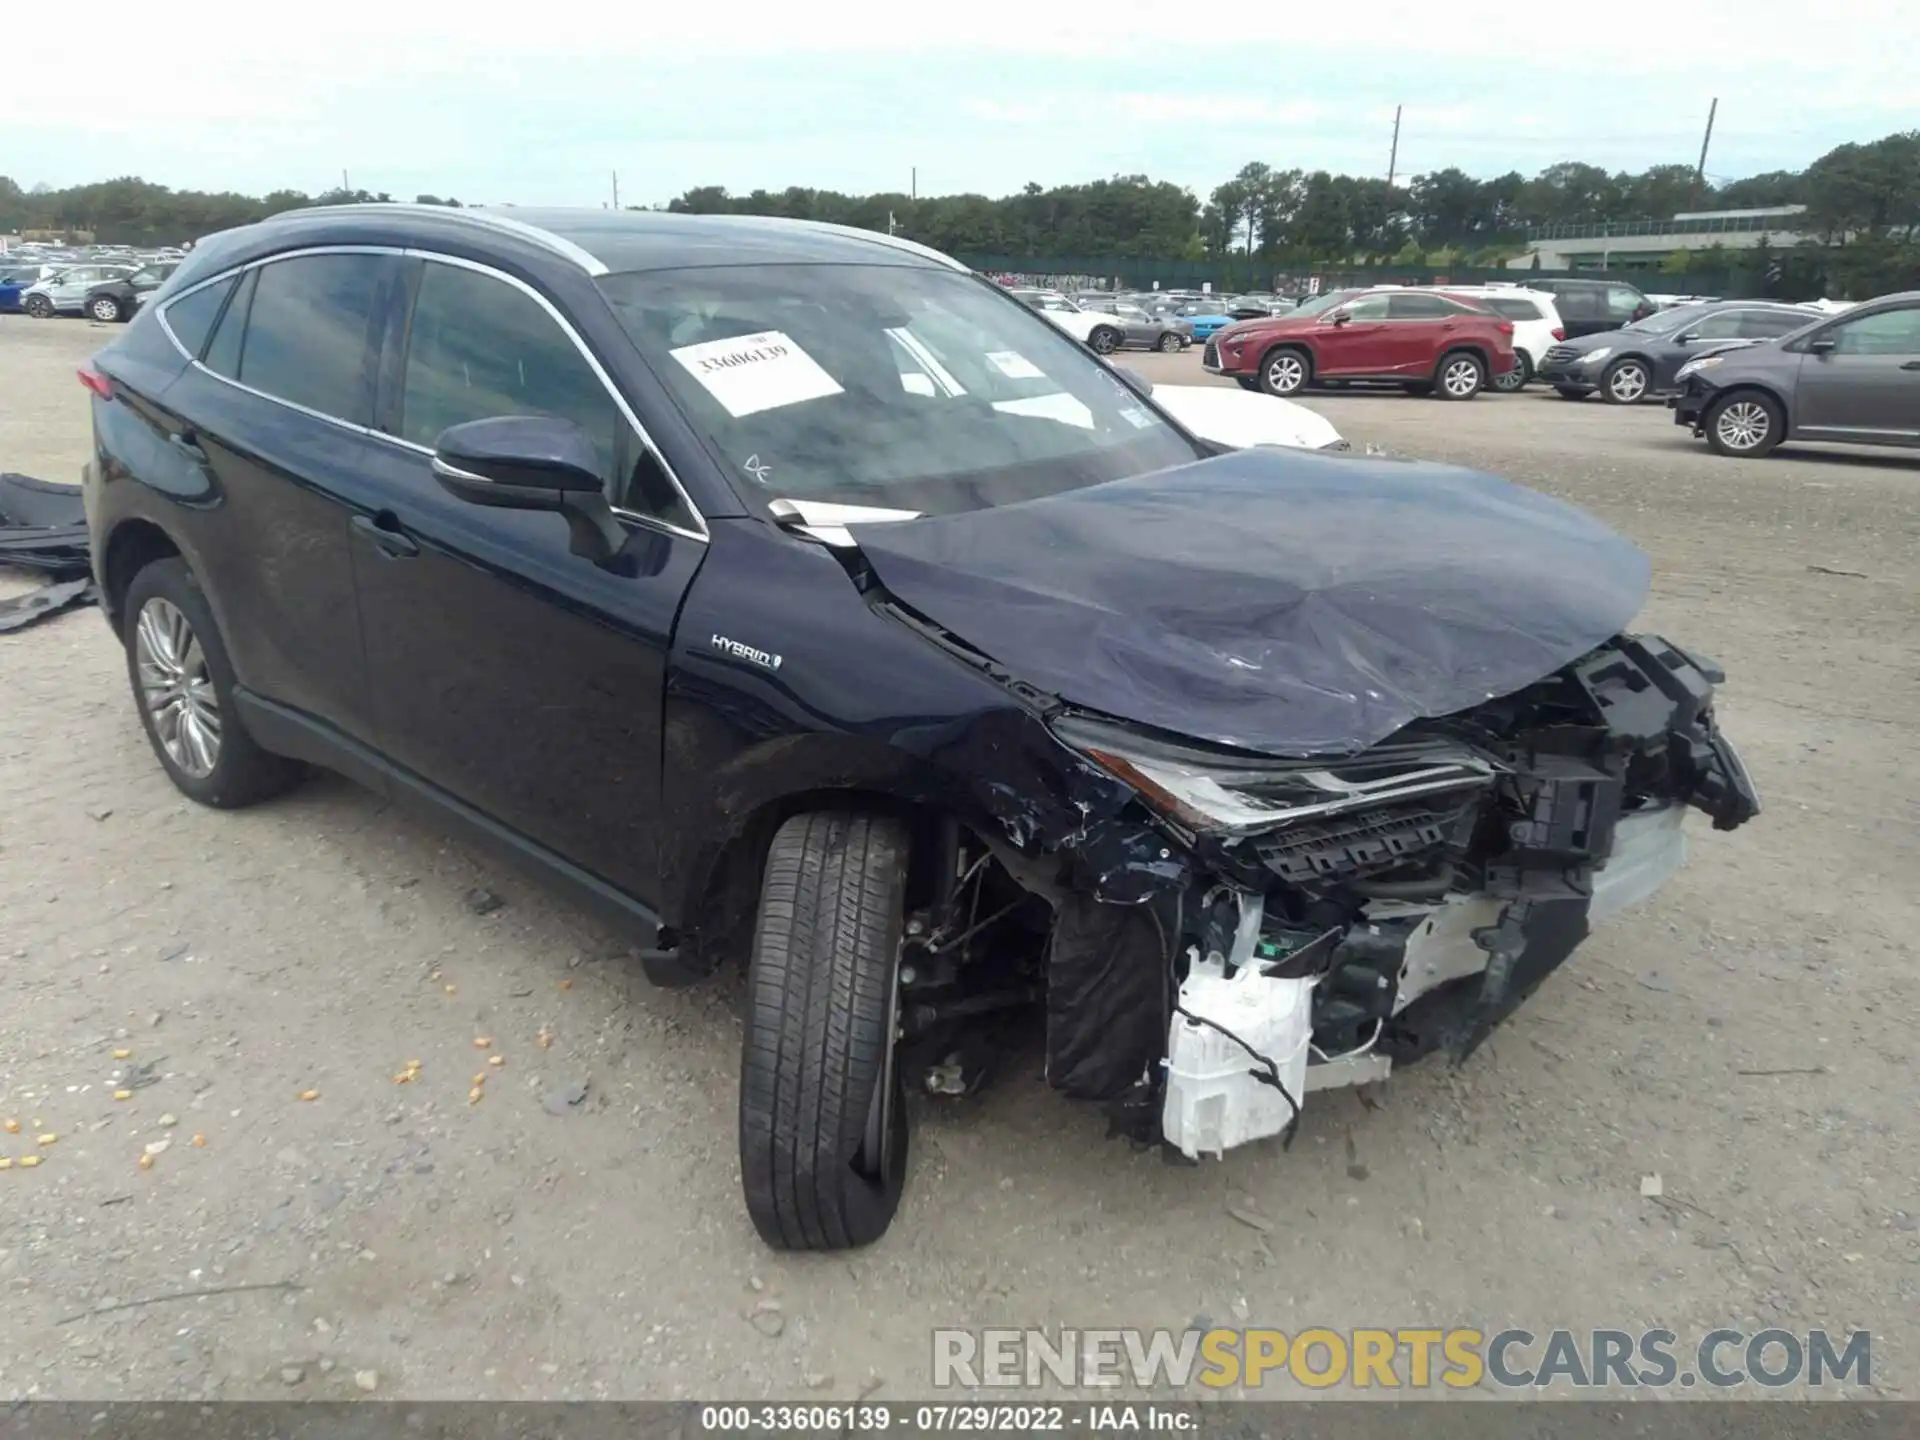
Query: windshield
[
  {"x": 898, "y": 386},
  {"x": 1662, "y": 322}
]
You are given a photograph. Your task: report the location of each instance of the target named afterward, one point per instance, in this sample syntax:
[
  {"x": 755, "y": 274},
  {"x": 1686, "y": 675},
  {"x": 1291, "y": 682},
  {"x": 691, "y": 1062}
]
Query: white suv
[{"x": 1536, "y": 325}]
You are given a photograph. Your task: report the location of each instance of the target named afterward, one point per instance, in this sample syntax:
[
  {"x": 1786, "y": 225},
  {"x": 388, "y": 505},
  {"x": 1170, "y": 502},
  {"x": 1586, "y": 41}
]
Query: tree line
[{"x": 1864, "y": 195}]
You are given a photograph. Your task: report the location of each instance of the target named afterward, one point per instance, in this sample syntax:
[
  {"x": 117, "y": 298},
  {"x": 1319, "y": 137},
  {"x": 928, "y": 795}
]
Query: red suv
[{"x": 1432, "y": 342}]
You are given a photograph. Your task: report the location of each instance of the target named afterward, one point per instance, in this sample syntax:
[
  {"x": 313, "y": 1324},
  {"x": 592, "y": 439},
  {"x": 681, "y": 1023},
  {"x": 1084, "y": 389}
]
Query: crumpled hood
[{"x": 1286, "y": 602}]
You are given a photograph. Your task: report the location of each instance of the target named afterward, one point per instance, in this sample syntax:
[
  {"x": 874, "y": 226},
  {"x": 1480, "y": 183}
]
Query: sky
[{"x": 541, "y": 102}]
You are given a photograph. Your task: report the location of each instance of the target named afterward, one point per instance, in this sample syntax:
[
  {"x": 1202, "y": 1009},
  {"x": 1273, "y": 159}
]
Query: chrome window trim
[{"x": 699, "y": 530}]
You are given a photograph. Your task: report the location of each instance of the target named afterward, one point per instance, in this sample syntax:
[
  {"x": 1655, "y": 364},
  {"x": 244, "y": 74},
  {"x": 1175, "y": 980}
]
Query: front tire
[
  {"x": 1459, "y": 376},
  {"x": 38, "y": 306},
  {"x": 823, "y": 1129},
  {"x": 1285, "y": 371},
  {"x": 1625, "y": 382},
  {"x": 1168, "y": 343},
  {"x": 183, "y": 685},
  {"x": 106, "y": 309},
  {"x": 1745, "y": 424},
  {"x": 1104, "y": 340}
]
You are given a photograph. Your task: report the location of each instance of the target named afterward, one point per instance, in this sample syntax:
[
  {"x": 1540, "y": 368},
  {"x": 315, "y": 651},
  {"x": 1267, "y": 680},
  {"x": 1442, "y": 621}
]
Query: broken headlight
[{"x": 1231, "y": 794}]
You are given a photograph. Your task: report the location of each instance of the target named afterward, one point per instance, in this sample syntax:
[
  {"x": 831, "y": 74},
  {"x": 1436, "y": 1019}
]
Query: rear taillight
[
  {"x": 1505, "y": 327},
  {"x": 96, "y": 382},
  {"x": 1558, "y": 333}
]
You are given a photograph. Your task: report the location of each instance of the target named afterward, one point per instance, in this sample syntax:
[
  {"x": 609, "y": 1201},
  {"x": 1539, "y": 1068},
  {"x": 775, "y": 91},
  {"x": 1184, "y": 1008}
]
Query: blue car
[
  {"x": 1204, "y": 319},
  {"x": 12, "y": 282}
]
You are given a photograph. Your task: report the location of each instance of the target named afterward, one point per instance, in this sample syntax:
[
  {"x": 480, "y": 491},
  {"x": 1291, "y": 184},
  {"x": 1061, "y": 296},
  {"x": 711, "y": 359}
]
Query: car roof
[{"x": 599, "y": 242}]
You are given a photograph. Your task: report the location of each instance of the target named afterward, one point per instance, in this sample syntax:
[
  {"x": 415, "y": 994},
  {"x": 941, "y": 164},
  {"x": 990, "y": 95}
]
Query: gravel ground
[{"x": 257, "y": 980}]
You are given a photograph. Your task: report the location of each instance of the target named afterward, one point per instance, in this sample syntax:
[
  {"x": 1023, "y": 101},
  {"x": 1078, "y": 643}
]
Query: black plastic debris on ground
[{"x": 43, "y": 528}]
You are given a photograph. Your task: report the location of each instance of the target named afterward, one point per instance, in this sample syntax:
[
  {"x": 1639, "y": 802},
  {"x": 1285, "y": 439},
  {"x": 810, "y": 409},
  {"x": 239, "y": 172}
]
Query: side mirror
[
  {"x": 1135, "y": 381},
  {"x": 1686, "y": 339},
  {"x": 1340, "y": 317},
  {"x": 532, "y": 462},
  {"x": 1821, "y": 345}
]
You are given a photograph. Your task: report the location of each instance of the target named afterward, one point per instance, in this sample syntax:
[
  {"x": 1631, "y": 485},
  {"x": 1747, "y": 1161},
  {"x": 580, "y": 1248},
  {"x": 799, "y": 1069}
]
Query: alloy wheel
[
  {"x": 1628, "y": 383},
  {"x": 1103, "y": 342},
  {"x": 177, "y": 688},
  {"x": 1461, "y": 378},
  {"x": 1743, "y": 425},
  {"x": 1285, "y": 374},
  {"x": 106, "y": 309},
  {"x": 1513, "y": 379}
]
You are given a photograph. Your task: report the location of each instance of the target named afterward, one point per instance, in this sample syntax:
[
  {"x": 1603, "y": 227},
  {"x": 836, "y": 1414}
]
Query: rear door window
[
  {"x": 191, "y": 317},
  {"x": 313, "y": 329},
  {"x": 1582, "y": 302},
  {"x": 1419, "y": 307}
]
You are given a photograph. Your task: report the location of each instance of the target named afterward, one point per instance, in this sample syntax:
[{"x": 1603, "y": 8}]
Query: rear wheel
[
  {"x": 105, "y": 309},
  {"x": 1625, "y": 382},
  {"x": 1285, "y": 372},
  {"x": 183, "y": 684},
  {"x": 1461, "y": 376},
  {"x": 1515, "y": 379},
  {"x": 823, "y": 1129},
  {"x": 1745, "y": 423}
]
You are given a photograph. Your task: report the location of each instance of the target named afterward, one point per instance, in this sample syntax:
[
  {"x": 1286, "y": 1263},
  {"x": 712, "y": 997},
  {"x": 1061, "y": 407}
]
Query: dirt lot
[{"x": 500, "y": 1249}]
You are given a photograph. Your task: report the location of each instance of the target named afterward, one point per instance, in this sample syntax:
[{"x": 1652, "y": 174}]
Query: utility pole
[
  {"x": 1700, "y": 170},
  {"x": 616, "y": 189},
  {"x": 913, "y": 185},
  {"x": 1393, "y": 155},
  {"x": 343, "y": 181}
]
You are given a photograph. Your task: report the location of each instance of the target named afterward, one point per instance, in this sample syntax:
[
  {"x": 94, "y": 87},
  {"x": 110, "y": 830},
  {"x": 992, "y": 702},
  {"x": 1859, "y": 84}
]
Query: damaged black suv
[{"x": 805, "y": 599}]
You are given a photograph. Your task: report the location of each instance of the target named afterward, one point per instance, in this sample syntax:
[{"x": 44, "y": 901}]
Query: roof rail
[{"x": 475, "y": 214}]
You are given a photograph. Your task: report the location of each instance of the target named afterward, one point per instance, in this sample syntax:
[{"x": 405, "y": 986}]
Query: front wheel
[
  {"x": 105, "y": 309},
  {"x": 823, "y": 1128},
  {"x": 1169, "y": 343},
  {"x": 1625, "y": 382},
  {"x": 38, "y": 306},
  {"x": 1745, "y": 424},
  {"x": 1105, "y": 340},
  {"x": 1284, "y": 373},
  {"x": 1461, "y": 376}
]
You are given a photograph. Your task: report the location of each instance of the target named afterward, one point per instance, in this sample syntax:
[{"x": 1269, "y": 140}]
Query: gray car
[
  {"x": 1852, "y": 377},
  {"x": 1155, "y": 332},
  {"x": 65, "y": 291}
]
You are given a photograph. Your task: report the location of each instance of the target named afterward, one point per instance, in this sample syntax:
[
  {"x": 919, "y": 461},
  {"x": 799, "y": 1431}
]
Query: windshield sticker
[
  {"x": 751, "y": 373},
  {"x": 1137, "y": 417},
  {"x": 1014, "y": 365}
]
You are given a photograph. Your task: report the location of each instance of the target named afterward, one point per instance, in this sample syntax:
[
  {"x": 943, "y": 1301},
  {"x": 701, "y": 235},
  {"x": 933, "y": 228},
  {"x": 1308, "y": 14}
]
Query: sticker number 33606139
[{"x": 750, "y": 373}]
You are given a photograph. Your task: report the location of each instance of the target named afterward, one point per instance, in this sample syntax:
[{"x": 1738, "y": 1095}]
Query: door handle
[
  {"x": 386, "y": 537},
  {"x": 1911, "y": 365}
]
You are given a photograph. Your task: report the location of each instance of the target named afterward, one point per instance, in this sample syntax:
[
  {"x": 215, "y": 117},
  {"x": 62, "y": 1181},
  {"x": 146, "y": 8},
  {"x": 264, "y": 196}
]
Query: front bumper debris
[{"x": 1415, "y": 921}]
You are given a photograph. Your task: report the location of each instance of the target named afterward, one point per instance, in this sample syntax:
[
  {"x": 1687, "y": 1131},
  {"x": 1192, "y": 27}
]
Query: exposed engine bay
[{"x": 1259, "y": 928}]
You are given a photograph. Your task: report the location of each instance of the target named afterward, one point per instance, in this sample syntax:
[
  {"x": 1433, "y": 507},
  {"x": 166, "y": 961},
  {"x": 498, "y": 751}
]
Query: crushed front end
[{"x": 1261, "y": 928}]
